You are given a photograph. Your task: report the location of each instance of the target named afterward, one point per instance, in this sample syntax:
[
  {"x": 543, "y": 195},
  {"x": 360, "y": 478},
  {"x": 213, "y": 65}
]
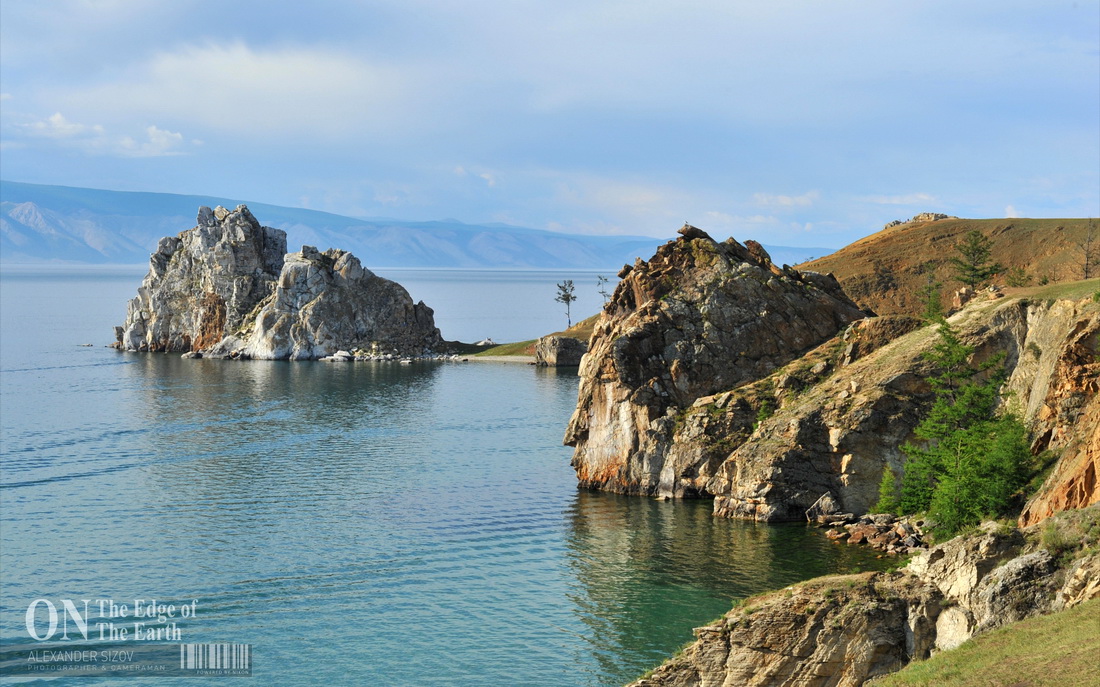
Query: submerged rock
[{"x": 227, "y": 288}]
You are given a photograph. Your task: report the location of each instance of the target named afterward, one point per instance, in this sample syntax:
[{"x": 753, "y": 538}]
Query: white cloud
[
  {"x": 488, "y": 176},
  {"x": 246, "y": 92},
  {"x": 94, "y": 139},
  {"x": 769, "y": 200},
  {"x": 159, "y": 142},
  {"x": 908, "y": 199},
  {"x": 1010, "y": 211},
  {"x": 57, "y": 126}
]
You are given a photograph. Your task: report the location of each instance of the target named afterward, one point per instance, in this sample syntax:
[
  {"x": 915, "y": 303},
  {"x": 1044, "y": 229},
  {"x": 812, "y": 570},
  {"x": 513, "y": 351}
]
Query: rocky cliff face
[
  {"x": 227, "y": 288},
  {"x": 326, "y": 302},
  {"x": 1064, "y": 400},
  {"x": 845, "y": 630},
  {"x": 839, "y": 435},
  {"x": 697, "y": 318},
  {"x": 831, "y": 421},
  {"x": 203, "y": 282}
]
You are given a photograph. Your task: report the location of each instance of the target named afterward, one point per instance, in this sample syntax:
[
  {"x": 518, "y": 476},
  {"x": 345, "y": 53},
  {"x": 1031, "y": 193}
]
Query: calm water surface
[{"x": 356, "y": 523}]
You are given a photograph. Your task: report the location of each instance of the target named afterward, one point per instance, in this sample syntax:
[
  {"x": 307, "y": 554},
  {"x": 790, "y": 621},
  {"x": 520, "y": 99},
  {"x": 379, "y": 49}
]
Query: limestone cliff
[
  {"x": 697, "y": 318},
  {"x": 202, "y": 283},
  {"x": 227, "y": 288},
  {"x": 844, "y": 630}
]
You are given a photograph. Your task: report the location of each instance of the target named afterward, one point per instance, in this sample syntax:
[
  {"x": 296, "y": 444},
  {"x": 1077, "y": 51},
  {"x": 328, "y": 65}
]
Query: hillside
[
  {"x": 1057, "y": 650},
  {"x": 79, "y": 225},
  {"x": 885, "y": 270}
]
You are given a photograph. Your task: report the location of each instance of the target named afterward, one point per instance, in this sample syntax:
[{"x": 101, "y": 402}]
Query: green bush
[{"x": 1017, "y": 276}]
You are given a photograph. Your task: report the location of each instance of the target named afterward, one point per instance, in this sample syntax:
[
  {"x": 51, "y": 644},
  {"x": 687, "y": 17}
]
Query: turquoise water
[{"x": 356, "y": 523}]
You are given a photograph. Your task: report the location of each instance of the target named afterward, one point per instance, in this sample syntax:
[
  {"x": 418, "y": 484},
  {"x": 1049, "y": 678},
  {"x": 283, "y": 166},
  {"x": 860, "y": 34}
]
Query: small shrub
[
  {"x": 766, "y": 410},
  {"x": 1017, "y": 276},
  {"x": 1057, "y": 541}
]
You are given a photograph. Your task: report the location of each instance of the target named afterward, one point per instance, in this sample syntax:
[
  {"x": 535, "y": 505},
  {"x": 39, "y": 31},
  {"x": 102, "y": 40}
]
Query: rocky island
[{"x": 227, "y": 288}]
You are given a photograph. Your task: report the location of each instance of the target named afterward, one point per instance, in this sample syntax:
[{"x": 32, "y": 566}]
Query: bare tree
[
  {"x": 1088, "y": 248},
  {"x": 601, "y": 287}
]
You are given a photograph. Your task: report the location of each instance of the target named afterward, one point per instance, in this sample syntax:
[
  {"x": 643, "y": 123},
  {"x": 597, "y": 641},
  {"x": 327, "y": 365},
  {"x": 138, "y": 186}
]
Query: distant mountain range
[{"x": 60, "y": 224}]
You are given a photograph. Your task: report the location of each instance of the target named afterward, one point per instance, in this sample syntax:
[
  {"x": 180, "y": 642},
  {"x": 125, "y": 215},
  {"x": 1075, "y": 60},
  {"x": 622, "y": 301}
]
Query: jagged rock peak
[
  {"x": 202, "y": 282},
  {"x": 228, "y": 288},
  {"x": 696, "y": 318},
  {"x": 327, "y": 302},
  {"x": 689, "y": 232}
]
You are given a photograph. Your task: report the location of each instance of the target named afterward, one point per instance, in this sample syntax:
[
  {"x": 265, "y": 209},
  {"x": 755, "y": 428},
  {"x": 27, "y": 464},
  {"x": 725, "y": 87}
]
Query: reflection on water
[
  {"x": 644, "y": 567},
  {"x": 368, "y": 523}
]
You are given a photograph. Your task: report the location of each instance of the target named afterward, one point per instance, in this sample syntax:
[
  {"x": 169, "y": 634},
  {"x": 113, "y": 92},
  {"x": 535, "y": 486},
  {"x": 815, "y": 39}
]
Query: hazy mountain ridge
[{"x": 40, "y": 223}]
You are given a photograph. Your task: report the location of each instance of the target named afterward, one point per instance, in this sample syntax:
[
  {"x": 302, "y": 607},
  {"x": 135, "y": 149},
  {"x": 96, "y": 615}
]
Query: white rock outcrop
[{"x": 227, "y": 288}]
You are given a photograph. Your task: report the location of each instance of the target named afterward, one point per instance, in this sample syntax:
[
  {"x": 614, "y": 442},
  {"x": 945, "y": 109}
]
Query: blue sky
[{"x": 794, "y": 123}]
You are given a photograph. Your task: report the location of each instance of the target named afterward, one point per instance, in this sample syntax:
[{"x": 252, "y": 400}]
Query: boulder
[{"x": 559, "y": 351}]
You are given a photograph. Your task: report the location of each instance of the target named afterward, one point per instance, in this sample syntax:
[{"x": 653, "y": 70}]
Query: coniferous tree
[
  {"x": 887, "y": 493},
  {"x": 971, "y": 460},
  {"x": 974, "y": 267},
  {"x": 929, "y": 295}
]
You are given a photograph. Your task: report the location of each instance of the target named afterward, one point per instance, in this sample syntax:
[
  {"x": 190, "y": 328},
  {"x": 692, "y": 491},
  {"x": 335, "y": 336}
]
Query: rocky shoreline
[
  {"x": 712, "y": 373},
  {"x": 844, "y": 630}
]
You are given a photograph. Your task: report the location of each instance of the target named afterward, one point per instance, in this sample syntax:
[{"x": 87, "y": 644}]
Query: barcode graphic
[{"x": 216, "y": 657}]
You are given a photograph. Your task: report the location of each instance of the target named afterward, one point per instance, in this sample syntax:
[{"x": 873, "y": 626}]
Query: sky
[{"x": 801, "y": 123}]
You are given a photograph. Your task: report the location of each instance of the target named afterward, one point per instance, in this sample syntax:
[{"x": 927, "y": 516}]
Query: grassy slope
[
  {"x": 885, "y": 270},
  {"x": 1059, "y": 650},
  {"x": 581, "y": 331}
]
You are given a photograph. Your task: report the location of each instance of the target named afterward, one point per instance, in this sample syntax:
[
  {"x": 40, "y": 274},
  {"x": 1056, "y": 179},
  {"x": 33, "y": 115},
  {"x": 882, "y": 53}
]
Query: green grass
[
  {"x": 518, "y": 348},
  {"x": 580, "y": 331},
  {"x": 1059, "y": 650},
  {"x": 1073, "y": 290}
]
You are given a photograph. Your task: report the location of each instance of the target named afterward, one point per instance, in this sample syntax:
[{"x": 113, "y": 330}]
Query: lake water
[{"x": 362, "y": 523}]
